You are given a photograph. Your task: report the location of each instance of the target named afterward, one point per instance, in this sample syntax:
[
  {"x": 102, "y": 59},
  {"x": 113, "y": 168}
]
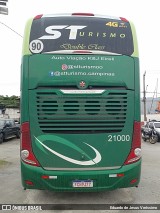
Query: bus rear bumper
[{"x": 38, "y": 178}]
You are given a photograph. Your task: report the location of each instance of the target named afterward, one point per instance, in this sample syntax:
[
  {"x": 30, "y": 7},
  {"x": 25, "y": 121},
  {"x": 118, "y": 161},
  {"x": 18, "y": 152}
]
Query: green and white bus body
[{"x": 80, "y": 104}]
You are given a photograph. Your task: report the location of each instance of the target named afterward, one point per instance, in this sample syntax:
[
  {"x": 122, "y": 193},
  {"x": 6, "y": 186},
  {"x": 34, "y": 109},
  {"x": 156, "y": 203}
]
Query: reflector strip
[
  {"x": 48, "y": 177},
  {"x": 28, "y": 182},
  {"x": 45, "y": 177},
  {"x": 113, "y": 175},
  {"x": 87, "y": 91},
  {"x": 116, "y": 175},
  {"x": 133, "y": 181},
  {"x": 52, "y": 177}
]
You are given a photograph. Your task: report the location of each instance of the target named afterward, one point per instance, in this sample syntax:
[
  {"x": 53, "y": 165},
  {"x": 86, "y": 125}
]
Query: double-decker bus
[{"x": 80, "y": 103}]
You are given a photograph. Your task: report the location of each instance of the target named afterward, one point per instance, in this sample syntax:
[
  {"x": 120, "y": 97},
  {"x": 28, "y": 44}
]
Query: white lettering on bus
[
  {"x": 115, "y": 138},
  {"x": 54, "y": 33}
]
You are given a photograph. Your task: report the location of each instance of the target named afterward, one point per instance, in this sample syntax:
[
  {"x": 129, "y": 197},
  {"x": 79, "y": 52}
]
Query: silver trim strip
[
  {"x": 88, "y": 52},
  {"x": 81, "y": 169},
  {"x": 67, "y": 14},
  {"x": 87, "y": 91}
]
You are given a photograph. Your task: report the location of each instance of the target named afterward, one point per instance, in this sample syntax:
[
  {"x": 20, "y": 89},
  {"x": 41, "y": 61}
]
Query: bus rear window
[{"x": 81, "y": 33}]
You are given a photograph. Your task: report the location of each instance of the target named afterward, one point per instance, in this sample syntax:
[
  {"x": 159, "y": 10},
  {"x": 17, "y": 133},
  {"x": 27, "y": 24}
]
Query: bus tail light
[
  {"x": 82, "y": 52},
  {"x": 82, "y": 14},
  {"x": 45, "y": 177},
  {"x": 123, "y": 19},
  {"x": 38, "y": 16},
  {"x": 26, "y": 148},
  {"x": 135, "y": 153}
]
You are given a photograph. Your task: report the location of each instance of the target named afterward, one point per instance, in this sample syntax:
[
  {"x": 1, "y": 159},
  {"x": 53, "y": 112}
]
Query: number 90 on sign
[{"x": 36, "y": 46}]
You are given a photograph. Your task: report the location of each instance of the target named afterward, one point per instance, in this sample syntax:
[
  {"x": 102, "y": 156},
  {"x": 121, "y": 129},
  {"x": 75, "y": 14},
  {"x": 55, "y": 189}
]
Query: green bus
[{"x": 80, "y": 103}]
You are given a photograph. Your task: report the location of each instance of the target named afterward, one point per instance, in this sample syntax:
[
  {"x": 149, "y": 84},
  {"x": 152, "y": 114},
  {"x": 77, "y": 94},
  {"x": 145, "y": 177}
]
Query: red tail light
[
  {"x": 82, "y": 14},
  {"x": 123, "y": 19},
  {"x": 26, "y": 148},
  {"x": 28, "y": 182},
  {"x": 135, "y": 153},
  {"x": 82, "y": 52},
  {"x": 133, "y": 181},
  {"x": 38, "y": 16},
  {"x": 45, "y": 177}
]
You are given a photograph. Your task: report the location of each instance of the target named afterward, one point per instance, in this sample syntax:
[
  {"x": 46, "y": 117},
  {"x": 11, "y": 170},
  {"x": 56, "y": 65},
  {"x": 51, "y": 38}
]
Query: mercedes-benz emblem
[{"x": 82, "y": 84}]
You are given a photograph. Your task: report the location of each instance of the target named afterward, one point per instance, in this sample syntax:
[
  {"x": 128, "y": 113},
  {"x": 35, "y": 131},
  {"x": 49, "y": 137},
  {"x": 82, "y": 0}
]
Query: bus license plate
[{"x": 82, "y": 183}]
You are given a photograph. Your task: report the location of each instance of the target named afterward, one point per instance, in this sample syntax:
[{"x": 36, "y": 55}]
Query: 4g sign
[
  {"x": 54, "y": 33},
  {"x": 112, "y": 24},
  {"x": 116, "y": 24}
]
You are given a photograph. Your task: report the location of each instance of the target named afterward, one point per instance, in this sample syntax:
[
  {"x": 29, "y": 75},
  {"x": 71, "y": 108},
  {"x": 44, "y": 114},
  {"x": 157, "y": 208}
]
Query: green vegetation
[
  {"x": 9, "y": 102},
  {"x": 3, "y": 163}
]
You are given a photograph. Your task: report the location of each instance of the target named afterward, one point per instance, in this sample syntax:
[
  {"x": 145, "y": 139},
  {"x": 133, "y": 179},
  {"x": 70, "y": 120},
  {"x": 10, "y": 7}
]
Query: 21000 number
[{"x": 118, "y": 138}]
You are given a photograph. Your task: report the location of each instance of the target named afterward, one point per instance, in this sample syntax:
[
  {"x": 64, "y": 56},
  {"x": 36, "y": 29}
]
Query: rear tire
[
  {"x": 1, "y": 138},
  {"x": 18, "y": 134},
  {"x": 153, "y": 139},
  {"x": 143, "y": 137}
]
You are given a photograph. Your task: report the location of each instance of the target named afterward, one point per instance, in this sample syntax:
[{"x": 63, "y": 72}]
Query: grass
[{"x": 3, "y": 163}]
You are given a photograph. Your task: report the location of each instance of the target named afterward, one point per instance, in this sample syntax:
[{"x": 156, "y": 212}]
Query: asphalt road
[{"x": 11, "y": 191}]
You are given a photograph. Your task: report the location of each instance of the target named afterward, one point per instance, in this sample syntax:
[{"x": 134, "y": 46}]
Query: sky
[{"x": 144, "y": 14}]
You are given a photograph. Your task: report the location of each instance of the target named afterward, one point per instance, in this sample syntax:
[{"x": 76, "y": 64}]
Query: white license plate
[{"x": 82, "y": 183}]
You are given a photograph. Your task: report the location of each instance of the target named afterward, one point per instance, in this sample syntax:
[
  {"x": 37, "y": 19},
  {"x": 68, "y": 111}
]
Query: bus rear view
[{"x": 80, "y": 104}]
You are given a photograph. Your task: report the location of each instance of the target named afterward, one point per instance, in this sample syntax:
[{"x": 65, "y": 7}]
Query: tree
[{"x": 9, "y": 102}]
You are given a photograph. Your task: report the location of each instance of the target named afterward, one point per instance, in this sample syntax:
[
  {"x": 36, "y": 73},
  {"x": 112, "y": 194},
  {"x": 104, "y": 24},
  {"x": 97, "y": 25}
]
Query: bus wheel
[
  {"x": 1, "y": 138},
  {"x": 18, "y": 134}
]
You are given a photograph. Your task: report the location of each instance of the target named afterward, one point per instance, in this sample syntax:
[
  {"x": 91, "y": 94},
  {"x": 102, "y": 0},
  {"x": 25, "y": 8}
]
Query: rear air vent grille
[{"x": 81, "y": 112}]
